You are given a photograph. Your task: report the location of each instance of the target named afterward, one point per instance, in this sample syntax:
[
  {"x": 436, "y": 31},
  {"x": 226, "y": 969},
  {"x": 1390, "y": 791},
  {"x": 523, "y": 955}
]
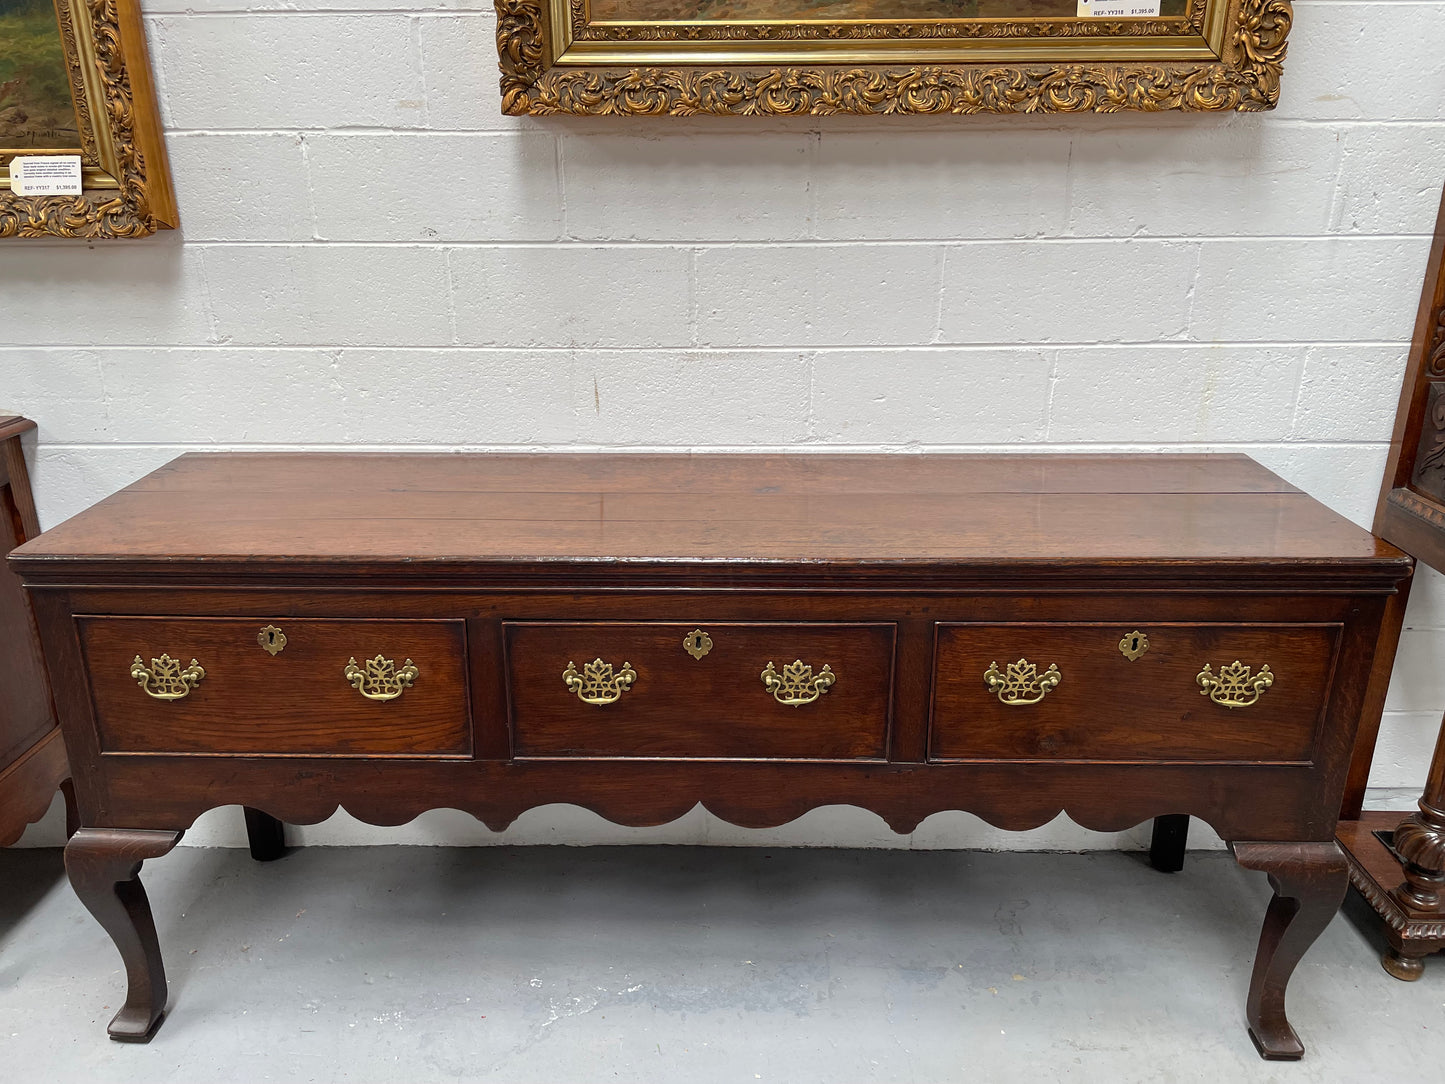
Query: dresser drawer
[
  {"x": 997, "y": 698},
  {"x": 637, "y": 690},
  {"x": 308, "y": 697}
]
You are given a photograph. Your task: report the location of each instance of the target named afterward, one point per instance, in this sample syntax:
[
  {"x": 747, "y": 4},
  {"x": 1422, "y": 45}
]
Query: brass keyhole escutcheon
[
  {"x": 1133, "y": 645},
  {"x": 272, "y": 640},
  {"x": 697, "y": 643}
]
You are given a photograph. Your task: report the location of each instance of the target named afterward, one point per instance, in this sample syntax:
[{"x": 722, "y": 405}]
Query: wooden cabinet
[
  {"x": 1117, "y": 637},
  {"x": 32, "y": 752}
]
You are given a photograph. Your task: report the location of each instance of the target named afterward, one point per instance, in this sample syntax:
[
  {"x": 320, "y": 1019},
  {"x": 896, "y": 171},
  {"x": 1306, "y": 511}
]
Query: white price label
[
  {"x": 1118, "y": 9},
  {"x": 45, "y": 175}
]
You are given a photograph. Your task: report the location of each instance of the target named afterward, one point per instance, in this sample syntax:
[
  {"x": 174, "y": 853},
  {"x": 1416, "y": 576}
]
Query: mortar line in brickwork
[
  {"x": 802, "y": 348},
  {"x": 723, "y": 244}
]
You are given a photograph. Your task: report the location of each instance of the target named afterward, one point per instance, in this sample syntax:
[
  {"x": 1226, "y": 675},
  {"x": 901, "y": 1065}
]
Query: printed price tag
[
  {"x": 1117, "y": 9},
  {"x": 45, "y": 175}
]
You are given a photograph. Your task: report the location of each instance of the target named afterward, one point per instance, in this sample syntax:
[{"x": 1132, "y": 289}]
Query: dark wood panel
[
  {"x": 25, "y": 712},
  {"x": 715, "y": 706},
  {"x": 298, "y": 701},
  {"x": 1106, "y": 707}
]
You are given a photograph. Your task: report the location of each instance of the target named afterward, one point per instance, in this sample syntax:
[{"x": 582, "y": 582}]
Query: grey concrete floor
[{"x": 668, "y": 964}]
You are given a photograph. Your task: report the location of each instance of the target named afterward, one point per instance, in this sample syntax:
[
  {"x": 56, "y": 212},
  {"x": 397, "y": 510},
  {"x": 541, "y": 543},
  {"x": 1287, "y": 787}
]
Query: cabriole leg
[
  {"x": 104, "y": 866},
  {"x": 1309, "y": 881}
]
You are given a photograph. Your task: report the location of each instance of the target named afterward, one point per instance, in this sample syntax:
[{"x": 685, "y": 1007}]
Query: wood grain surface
[
  {"x": 1109, "y": 708},
  {"x": 715, "y": 706}
]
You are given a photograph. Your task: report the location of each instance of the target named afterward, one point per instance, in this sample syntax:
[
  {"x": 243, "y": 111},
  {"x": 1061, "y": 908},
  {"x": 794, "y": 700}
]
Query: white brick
[
  {"x": 423, "y": 8},
  {"x": 817, "y": 295},
  {"x": 927, "y": 185},
  {"x": 456, "y": 397},
  {"x": 1308, "y": 290},
  {"x": 59, "y": 390},
  {"x": 1364, "y": 61},
  {"x": 290, "y": 71},
  {"x": 463, "y": 82},
  {"x": 930, "y": 396},
  {"x": 1344, "y": 477},
  {"x": 1250, "y": 176},
  {"x": 1349, "y": 393},
  {"x": 186, "y": 396},
  {"x": 241, "y": 187},
  {"x": 1403, "y": 751},
  {"x": 1390, "y": 179},
  {"x": 571, "y": 296},
  {"x": 321, "y": 295},
  {"x": 674, "y": 186},
  {"x": 1104, "y": 291},
  {"x": 1417, "y": 684},
  {"x": 689, "y": 399},
  {"x": 69, "y": 480},
  {"x": 1174, "y": 394},
  {"x": 447, "y": 187},
  {"x": 1427, "y": 600},
  {"x": 117, "y": 293}
]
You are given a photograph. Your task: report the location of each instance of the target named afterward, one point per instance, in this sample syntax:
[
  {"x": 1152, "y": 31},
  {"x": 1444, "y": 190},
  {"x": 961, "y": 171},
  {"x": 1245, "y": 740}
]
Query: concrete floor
[{"x": 668, "y": 964}]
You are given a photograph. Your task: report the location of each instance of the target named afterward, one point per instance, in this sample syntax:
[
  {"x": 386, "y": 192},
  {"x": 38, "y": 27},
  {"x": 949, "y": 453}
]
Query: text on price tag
[{"x": 45, "y": 175}]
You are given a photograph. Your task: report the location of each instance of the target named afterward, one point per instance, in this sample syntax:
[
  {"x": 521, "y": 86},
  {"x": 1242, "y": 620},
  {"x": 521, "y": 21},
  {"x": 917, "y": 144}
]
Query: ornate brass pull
[
  {"x": 164, "y": 679},
  {"x": 797, "y": 684},
  {"x": 597, "y": 683},
  {"x": 1021, "y": 683},
  {"x": 1236, "y": 686},
  {"x": 379, "y": 678}
]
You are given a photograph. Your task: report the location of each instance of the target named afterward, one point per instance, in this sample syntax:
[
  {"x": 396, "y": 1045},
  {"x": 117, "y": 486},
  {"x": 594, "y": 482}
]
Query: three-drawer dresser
[{"x": 1114, "y": 637}]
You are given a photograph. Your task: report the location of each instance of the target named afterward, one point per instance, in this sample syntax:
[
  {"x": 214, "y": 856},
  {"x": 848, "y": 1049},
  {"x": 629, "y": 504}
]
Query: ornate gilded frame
[
  {"x": 126, "y": 175},
  {"x": 1221, "y": 54}
]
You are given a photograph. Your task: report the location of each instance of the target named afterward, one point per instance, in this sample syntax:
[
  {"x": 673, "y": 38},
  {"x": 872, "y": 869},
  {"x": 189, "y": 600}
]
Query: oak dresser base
[{"x": 1116, "y": 638}]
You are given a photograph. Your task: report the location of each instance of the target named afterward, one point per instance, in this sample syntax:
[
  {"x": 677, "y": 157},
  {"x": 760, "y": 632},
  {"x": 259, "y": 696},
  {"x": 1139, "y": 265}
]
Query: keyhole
[
  {"x": 1133, "y": 643},
  {"x": 272, "y": 640}
]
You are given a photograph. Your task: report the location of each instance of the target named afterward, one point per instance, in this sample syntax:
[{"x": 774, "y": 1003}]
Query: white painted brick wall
[{"x": 1084, "y": 283}]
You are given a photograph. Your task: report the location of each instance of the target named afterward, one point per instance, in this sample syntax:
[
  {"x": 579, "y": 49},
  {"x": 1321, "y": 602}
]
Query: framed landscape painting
[
  {"x": 75, "y": 80},
  {"x": 725, "y": 57}
]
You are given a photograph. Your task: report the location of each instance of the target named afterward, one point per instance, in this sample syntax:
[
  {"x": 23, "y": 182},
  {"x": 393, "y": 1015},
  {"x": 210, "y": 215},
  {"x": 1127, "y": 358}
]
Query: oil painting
[
  {"x": 36, "y": 111},
  {"x": 75, "y": 79},
  {"x": 689, "y": 11},
  {"x": 888, "y": 57}
]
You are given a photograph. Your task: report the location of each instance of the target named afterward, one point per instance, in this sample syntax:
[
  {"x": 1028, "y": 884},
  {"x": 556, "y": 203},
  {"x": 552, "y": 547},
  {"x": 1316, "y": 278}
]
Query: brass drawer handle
[
  {"x": 597, "y": 683},
  {"x": 797, "y": 684},
  {"x": 379, "y": 678},
  {"x": 1021, "y": 683},
  {"x": 164, "y": 679},
  {"x": 1236, "y": 686}
]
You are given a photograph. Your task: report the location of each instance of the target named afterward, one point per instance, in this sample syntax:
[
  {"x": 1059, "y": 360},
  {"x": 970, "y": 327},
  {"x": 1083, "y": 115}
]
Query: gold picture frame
[
  {"x": 125, "y": 174},
  {"x": 558, "y": 58}
]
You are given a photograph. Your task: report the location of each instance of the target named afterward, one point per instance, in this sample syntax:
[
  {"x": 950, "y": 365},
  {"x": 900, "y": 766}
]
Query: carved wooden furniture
[
  {"x": 32, "y": 752},
  {"x": 1116, "y": 637},
  {"x": 1397, "y": 860}
]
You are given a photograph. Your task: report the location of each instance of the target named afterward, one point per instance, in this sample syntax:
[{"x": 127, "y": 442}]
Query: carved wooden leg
[
  {"x": 1420, "y": 841},
  {"x": 1309, "y": 882},
  {"x": 1403, "y": 965},
  {"x": 1171, "y": 837},
  {"x": 72, "y": 811},
  {"x": 104, "y": 864},
  {"x": 266, "y": 835}
]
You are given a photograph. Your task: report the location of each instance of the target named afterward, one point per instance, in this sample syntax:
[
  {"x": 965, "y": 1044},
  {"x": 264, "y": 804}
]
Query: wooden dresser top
[{"x": 248, "y": 514}]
